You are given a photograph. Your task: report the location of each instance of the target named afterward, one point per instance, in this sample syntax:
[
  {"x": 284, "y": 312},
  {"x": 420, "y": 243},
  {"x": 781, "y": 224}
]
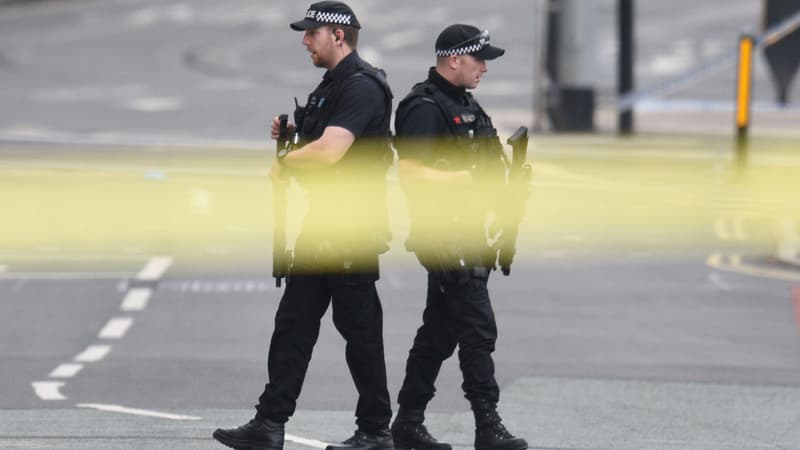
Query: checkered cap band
[
  {"x": 326, "y": 17},
  {"x": 462, "y": 50}
]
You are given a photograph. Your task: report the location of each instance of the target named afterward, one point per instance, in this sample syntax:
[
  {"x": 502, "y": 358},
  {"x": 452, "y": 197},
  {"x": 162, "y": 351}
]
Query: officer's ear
[
  {"x": 338, "y": 35},
  {"x": 454, "y": 61}
]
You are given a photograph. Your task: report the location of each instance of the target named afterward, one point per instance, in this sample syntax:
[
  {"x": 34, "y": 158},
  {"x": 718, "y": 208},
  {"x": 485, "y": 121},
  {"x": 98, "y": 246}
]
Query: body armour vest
[
  {"x": 347, "y": 211},
  {"x": 472, "y": 138},
  {"x": 449, "y": 226}
]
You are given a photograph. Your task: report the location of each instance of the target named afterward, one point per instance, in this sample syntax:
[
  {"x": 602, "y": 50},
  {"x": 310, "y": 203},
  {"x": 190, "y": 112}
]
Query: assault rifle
[
  {"x": 281, "y": 257},
  {"x": 517, "y": 185}
]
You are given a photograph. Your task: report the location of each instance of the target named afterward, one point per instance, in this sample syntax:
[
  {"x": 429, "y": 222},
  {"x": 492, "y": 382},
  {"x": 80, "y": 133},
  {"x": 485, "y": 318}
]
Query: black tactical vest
[
  {"x": 472, "y": 137},
  {"x": 355, "y": 186},
  {"x": 322, "y": 103},
  {"x": 470, "y": 141}
]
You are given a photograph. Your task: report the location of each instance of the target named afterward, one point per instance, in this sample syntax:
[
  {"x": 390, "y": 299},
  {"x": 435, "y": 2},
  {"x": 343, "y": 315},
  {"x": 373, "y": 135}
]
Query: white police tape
[{"x": 770, "y": 36}]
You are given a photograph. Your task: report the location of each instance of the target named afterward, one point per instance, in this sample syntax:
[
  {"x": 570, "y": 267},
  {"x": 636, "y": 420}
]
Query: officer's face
[
  {"x": 470, "y": 70},
  {"x": 319, "y": 42}
]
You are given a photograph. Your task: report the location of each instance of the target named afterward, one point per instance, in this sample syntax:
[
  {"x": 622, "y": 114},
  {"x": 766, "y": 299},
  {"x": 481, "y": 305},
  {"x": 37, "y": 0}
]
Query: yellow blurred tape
[{"x": 182, "y": 203}]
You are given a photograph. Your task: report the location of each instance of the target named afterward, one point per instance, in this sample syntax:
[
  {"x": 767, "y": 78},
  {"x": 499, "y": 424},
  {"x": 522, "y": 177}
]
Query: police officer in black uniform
[
  {"x": 450, "y": 159},
  {"x": 342, "y": 159}
]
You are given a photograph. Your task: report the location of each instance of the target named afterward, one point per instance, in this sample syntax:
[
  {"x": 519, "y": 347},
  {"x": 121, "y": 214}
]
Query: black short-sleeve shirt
[{"x": 361, "y": 107}]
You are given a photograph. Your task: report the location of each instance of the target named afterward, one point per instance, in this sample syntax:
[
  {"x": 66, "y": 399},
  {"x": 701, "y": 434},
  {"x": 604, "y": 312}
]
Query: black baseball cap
[
  {"x": 326, "y": 13},
  {"x": 460, "y": 39}
]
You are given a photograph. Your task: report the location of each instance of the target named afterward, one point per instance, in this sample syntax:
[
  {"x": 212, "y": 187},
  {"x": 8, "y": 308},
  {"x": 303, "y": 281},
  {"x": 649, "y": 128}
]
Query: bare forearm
[
  {"x": 323, "y": 152},
  {"x": 309, "y": 157}
]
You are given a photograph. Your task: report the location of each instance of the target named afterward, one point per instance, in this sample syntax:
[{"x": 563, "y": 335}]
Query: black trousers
[
  {"x": 357, "y": 315},
  {"x": 457, "y": 312}
]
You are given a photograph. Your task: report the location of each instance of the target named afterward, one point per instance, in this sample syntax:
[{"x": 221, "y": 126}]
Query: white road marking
[
  {"x": 48, "y": 390},
  {"x": 148, "y": 413},
  {"x": 153, "y": 104},
  {"x": 62, "y": 257},
  {"x": 224, "y": 286},
  {"x": 136, "y": 412},
  {"x": 31, "y": 134},
  {"x": 146, "y": 17},
  {"x": 155, "y": 268},
  {"x": 116, "y": 328},
  {"x": 87, "y": 93},
  {"x": 308, "y": 442},
  {"x": 735, "y": 264},
  {"x": 64, "y": 275},
  {"x": 93, "y": 353},
  {"x": 66, "y": 370},
  {"x": 136, "y": 299},
  {"x": 718, "y": 282}
]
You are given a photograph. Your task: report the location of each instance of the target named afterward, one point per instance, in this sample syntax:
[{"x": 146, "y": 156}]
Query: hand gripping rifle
[
  {"x": 519, "y": 177},
  {"x": 281, "y": 257}
]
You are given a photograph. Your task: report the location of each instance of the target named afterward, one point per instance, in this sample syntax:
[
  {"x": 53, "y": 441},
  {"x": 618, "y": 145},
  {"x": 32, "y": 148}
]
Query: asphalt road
[{"x": 647, "y": 341}]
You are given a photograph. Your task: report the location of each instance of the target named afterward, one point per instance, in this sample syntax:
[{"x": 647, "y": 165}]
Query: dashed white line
[
  {"x": 64, "y": 275},
  {"x": 136, "y": 411},
  {"x": 51, "y": 136},
  {"x": 136, "y": 299},
  {"x": 48, "y": 390},
  {"x": 116, "y": 328},
  {"x": 57, "y": 257},
  {"x": 719, "y": 282},
  {"x": 93, "y": 353},
  {"x": 66, "y": 370},
  {"x": 155, "y": 268}
]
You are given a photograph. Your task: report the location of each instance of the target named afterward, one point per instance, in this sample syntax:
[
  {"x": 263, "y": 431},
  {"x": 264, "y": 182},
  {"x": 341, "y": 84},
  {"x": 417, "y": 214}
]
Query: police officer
[
  {"x": 342, "y": 159},
  {"x": 450, "y": 157}
]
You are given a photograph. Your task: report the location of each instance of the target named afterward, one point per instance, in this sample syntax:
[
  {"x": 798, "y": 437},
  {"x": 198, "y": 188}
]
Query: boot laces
[
  {"x": 495, "y": 425},
  {"x": 500, "y": 430},
  {"x": 357, "y": 438},
  {"x": 422, "y": 432}
]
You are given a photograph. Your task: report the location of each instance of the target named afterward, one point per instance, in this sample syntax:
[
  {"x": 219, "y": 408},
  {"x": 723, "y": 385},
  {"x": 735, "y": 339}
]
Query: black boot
[
  {"x": 409, "y": 433},
  {"x": 258, "y": 434},
  {"x": 490, "y": 434},
  {"x": 366, "y": 440}
]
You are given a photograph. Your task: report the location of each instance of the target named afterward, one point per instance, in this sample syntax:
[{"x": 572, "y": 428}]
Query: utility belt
[
  {"x": 462, "y": 275},
  {"x": 452, "y": 264},
  {"x": 326, "y": 256}
]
